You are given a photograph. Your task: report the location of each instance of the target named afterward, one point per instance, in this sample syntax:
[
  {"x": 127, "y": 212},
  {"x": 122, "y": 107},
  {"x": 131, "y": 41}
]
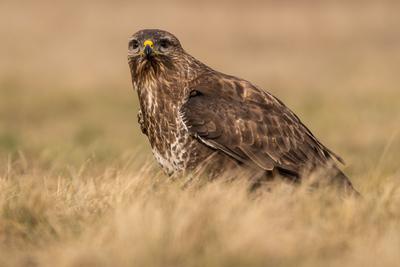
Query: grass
[
  {"x": 126, "y": 215},
  {"x": 78, "y": 183}
]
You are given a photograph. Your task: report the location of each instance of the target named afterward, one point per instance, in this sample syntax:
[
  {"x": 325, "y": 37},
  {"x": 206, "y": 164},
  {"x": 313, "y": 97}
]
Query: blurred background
[{"x": 66, "y": 95}]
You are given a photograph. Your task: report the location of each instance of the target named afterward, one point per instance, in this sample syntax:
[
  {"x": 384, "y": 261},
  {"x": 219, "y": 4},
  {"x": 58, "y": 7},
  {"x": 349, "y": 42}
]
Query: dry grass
[
  {"x": 121, "y": 217},
  {"x": 80, "y": 188}
]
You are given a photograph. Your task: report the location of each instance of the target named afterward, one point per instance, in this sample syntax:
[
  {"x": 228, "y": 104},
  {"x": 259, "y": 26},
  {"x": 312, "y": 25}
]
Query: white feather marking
[{"x": 166, "y": 164}]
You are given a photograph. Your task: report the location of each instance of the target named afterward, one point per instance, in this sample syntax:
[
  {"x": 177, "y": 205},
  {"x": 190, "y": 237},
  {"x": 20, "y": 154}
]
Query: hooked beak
[{"x": 148, "y": 48}]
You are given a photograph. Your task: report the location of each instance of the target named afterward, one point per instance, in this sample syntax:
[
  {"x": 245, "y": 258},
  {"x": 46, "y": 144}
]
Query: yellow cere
[{"x": 148, "y": 43}]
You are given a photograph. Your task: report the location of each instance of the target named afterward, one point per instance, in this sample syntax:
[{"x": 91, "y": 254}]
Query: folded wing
[{"x": 250, "y": 125}]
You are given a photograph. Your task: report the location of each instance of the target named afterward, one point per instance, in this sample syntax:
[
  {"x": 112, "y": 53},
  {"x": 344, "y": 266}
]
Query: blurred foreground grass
[
  {"x": 126, "y": 215},
  {"x": 79, "y": 186}
]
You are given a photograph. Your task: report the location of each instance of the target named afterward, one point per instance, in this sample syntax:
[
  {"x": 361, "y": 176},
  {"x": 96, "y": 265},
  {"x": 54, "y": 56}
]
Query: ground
[{"x": 79, "y": 186}]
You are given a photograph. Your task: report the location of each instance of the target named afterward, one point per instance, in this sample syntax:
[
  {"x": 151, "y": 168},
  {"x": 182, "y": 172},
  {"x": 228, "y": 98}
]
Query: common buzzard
[{"x": 193, "y": 115}]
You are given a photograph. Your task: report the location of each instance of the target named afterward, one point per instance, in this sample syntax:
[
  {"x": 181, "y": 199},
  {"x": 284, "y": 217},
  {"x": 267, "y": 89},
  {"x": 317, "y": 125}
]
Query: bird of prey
[{"x": 193, "y": 115}]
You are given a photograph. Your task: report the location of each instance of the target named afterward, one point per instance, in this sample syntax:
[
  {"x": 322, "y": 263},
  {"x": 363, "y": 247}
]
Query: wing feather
[{"x": 250, "y": 125}]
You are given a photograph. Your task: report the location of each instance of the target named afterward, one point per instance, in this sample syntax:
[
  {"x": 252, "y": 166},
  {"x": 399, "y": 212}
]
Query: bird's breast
[
  {"x": 167, "y": 135},
  {"x": 171, "y": 143}
]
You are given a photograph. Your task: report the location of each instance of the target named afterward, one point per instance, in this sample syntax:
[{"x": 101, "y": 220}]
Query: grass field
[{"x": 79, "y": 186}]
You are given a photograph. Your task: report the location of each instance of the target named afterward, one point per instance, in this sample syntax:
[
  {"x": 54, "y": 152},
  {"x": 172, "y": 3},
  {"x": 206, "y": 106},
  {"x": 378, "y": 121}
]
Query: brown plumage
[{"x": 193, "y": 114}]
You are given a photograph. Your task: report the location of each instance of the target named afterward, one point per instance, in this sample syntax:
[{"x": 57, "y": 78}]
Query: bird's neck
[
  {"x": 155, "y": 89},
  {"x": 163, "y": 89}
]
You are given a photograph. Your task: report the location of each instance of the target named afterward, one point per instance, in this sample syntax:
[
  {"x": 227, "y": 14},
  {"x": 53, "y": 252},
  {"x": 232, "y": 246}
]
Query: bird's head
[{"x": 153, "y": 50}]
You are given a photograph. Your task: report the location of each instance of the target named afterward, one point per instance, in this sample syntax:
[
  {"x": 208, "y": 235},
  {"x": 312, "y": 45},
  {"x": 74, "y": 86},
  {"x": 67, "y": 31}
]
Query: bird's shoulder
[{"x": 227, "y": 87}]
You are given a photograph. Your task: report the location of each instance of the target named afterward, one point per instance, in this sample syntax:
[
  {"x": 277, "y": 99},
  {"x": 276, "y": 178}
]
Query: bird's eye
[
  {"x": 133, "y": 44},
  {"x": 165, "y": 43}
]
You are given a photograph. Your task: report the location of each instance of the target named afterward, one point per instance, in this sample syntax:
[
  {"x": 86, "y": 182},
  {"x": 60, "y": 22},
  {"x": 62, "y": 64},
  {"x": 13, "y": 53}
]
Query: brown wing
[{"x": 251, "y": 126}]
